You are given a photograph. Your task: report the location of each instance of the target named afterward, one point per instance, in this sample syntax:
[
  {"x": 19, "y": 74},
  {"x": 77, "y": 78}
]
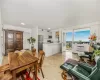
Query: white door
[{"x": 63, "y": 41}]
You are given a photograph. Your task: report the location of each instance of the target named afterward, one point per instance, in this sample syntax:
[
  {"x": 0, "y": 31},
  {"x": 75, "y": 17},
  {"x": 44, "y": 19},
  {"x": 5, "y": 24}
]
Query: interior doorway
[{"x": 67, "y": 40}]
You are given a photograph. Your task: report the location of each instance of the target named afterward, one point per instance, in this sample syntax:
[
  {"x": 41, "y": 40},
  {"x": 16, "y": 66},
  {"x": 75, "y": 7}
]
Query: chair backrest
[
  {"x": 98, "y": 63},
  {"x": 95, "y": 74},
  {"x": 96, "y": 46},
  {"x": 41, "y": 57},
  {"x": 34, "y": 52}
]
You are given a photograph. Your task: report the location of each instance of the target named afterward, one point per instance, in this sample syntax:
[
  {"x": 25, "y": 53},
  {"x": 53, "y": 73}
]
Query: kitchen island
[{"x": 51, "y": 48}]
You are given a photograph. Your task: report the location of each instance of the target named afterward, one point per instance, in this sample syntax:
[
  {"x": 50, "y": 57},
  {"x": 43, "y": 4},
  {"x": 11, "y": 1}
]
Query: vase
[{"x": 32, "y": 47}]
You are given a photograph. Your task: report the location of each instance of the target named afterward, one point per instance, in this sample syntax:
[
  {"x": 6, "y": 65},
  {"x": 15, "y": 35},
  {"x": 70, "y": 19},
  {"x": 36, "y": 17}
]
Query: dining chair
[
  {"x": 41, "y": 56},
  {"x": 40, "y": 61},
  {"x": 34, "y": 52}
]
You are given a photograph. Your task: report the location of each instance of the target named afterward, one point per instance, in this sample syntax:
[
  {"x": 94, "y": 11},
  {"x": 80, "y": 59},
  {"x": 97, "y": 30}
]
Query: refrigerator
[{"x": 40, "y": 42}]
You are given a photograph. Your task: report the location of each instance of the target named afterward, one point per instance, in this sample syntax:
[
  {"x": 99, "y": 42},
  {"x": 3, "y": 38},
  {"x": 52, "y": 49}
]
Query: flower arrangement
[{"x": 93, "y": 37}]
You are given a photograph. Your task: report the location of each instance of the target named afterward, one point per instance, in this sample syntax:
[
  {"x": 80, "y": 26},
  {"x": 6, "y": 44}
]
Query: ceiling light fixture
[
  {"x": 22, "y": 23},
  {"x": 48, "y": 28}
]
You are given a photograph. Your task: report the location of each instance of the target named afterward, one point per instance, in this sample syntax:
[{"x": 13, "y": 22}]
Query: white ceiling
[{"x": 50, "y": 13}]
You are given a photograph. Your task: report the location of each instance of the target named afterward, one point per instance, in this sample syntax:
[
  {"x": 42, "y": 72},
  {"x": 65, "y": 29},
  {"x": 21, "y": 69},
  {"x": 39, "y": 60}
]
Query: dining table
[{"x": 18, "y": 63}]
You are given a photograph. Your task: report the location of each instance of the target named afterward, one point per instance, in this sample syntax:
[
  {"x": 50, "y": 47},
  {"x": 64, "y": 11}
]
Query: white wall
[
  {"x": 35, "y": 35},
  {"x": 0, "y": 45},
  {"x": 26, "y": 44},
  {"x": 45, "y": 34},
  {"x": 1, "y": 57},
  {"x": 11, "y": 27}
]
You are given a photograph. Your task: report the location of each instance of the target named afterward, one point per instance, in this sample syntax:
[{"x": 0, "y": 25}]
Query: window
[
  {"x": 81, "y": 35},
  {"x": 69, "y": 36}
]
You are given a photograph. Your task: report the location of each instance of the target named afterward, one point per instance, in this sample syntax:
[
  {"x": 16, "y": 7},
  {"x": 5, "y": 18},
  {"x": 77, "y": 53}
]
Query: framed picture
[{"x": 57, "y": 34}]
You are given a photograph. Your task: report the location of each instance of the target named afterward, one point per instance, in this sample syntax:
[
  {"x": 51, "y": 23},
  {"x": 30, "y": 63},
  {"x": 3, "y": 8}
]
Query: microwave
[{"x": 49, "y": 36}]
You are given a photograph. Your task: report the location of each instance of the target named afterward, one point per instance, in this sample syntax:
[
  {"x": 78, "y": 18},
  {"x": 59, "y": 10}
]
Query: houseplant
[
  {"x": 31, "y": 41},
  {"x": 96, "y": 54}
]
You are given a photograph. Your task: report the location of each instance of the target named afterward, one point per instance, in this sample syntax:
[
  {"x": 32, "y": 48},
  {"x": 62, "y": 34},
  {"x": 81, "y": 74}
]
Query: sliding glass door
[{"x": 69, "y": 39}]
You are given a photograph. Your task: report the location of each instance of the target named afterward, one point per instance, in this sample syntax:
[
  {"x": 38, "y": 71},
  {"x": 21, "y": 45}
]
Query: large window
[
  {"x": 69, "y": 36},
  {"x": 81, "y": 35}
]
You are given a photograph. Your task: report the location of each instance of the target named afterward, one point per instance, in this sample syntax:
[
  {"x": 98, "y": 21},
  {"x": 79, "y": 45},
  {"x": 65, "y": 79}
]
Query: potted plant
[
  {"x": 93, "y": 38},
  {"x": 31, "y": 41},
  {"x": 96, "y": 55}
]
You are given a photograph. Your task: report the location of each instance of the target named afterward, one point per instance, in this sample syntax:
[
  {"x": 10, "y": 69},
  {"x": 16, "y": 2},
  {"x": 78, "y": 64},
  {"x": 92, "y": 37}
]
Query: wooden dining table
[{"x": 20, "y": 63}]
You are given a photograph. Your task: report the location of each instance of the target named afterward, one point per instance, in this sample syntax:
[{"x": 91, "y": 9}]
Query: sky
[{"x": 78, "y": 35}]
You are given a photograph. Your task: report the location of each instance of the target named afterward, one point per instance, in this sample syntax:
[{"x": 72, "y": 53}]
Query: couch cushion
[{"x": 81, "y": 70}]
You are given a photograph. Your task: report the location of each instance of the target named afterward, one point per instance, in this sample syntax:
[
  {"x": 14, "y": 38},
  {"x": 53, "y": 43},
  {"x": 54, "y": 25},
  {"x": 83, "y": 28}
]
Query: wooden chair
[
  {"x": 40, "y": 62},
  {"x": 5, "y": 73},
  {"x": 34, "y": 52}
]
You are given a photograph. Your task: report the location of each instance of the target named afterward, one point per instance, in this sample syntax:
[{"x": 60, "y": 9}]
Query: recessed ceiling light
[
  {"x": 48, "y": 28},
  {"x": 22, "y": 23}
]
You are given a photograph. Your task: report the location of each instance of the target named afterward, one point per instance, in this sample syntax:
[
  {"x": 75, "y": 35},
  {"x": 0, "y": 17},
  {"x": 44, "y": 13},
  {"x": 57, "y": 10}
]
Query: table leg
[
  {"x": 14, "y": 75},
  {"x": 35, "y": 68},
  {"x": 64, "y": 75},
  {"x": 22, "y": 76}
]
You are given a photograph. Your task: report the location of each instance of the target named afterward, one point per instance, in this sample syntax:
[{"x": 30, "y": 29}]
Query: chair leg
[
  {"x": 38, "y": 70},
  {"x": 33, "y": 76},
  {"x": 22, "y": 76},
  {"x": 42, "y": 73}
]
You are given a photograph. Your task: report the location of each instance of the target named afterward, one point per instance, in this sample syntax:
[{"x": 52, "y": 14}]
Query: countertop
[{"x": 50, "y": 43}]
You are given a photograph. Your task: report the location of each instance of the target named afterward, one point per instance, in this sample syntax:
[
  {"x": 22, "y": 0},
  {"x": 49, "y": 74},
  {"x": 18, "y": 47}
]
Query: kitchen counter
[
  {"x": 51, "y": 43},
  {"x": 51, "y": 48}
]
